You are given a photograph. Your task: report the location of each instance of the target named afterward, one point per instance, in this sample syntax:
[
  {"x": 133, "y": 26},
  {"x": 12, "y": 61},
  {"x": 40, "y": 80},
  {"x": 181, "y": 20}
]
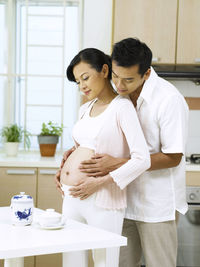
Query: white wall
[
  {"x": 189, "y": 89},
  {"x": 97, "y": 25}
]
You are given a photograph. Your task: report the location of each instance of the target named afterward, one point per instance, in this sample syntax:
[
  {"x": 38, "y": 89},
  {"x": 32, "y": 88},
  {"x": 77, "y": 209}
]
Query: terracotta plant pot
[{"x": 48, "y": 144}]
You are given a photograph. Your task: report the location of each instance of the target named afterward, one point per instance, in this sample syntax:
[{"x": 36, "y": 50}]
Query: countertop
[
  {"x": 33, "y": 159},
  {"x": 191, "y": 167},
  {"x": 30, "y": 159}
]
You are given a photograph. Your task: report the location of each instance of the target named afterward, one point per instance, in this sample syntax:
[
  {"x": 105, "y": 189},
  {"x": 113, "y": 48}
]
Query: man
[{"x": 155, "y": 196}]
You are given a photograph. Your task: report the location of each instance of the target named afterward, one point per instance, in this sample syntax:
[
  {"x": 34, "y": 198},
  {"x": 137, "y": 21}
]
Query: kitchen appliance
[
  {"x": 189, "y": 226},
  {"x": 178, "y": 71},
  {"x": 195, "y": 158},
  {"x": 21, "y": 209}
]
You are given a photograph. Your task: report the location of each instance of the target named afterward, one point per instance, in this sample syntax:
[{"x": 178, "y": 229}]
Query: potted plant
[
  {"x": 12, "y": 136},
  {"x": 48, "y": 138}
]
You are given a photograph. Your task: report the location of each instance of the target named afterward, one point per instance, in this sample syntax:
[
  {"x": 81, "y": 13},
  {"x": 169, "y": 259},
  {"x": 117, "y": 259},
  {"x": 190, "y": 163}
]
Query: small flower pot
[
  {"x": 48, "y": 145},
  {"x": 11, "y": 149}
]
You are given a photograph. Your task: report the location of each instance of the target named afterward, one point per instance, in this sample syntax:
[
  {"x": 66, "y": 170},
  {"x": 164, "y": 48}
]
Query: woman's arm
[
  {"x": 129, "y": 168},
  {"x": 139, "y": 153}
]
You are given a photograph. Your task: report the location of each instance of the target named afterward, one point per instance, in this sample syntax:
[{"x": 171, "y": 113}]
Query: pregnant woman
[{"x": 107, "y": 124}]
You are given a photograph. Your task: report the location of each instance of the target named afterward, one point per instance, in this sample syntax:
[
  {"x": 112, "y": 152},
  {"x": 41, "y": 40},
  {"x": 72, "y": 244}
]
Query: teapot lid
[{"x": 21, "y": 198}]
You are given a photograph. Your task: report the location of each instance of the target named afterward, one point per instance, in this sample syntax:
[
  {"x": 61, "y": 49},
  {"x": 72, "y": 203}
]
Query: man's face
[{"x": 127, "y": 79}]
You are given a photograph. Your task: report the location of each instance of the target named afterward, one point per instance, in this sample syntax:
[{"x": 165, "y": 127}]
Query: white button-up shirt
[{"x": 163, "y": 113}]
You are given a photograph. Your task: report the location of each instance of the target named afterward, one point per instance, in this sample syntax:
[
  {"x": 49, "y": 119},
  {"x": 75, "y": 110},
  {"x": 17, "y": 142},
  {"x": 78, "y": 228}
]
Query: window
[
  {"x": 46, "y": 37},
  {"x": 3, "y": 78}
]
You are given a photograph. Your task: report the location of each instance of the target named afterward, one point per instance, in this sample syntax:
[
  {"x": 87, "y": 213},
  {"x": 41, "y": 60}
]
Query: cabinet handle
[
  {"x": 23, "y": 172},
  {"x": 48, "y": 172},
  {"x": 197, "y": 60},
  {"x": 155, "y": 59}
]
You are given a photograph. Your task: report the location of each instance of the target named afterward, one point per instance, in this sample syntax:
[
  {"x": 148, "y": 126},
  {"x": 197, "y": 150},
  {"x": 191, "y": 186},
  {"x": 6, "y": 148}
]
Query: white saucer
[{"x": 52, "y": 227}]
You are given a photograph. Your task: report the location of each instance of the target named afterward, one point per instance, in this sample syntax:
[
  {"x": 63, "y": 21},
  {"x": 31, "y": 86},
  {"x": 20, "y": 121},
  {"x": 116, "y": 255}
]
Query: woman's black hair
[
  {"x": 130, "y": 52},
  {"x": 94, "y": 57}
]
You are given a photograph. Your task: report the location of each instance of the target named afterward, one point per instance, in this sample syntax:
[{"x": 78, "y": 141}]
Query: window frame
[{"x": 12, "y": 75}]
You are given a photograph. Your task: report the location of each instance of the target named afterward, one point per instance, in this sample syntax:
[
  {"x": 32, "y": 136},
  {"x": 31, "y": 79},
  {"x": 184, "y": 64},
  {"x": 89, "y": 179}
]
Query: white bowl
[{"x": 49, "y": 218}]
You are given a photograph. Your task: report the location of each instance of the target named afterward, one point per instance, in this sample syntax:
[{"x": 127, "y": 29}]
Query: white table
[{"x": 17, "y": 242}]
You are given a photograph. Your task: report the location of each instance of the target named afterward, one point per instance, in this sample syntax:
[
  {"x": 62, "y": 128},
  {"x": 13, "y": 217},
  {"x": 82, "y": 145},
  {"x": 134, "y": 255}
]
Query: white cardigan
[{"x": 120, "y": 136}]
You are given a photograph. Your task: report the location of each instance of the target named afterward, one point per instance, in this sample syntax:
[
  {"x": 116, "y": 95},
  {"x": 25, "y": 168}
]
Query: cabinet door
[
  {"x": 153, "y": 22},
  {"x": 50, "y": 260},
  {"x": 13, "y": 181},
  {"x": 188, "y": 44},
  {"x": 47, "y": 195},
  {"x": 16, "y": 180},
  {"x": 193, "y": 178}
]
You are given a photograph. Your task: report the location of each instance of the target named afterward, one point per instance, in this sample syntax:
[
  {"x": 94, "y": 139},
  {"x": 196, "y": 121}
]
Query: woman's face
[{"x": 90, "y": 81}]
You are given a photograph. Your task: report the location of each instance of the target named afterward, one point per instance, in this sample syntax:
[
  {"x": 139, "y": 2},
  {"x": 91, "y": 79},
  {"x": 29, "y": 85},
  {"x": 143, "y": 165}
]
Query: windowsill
[{"x": 30, "y": 159}]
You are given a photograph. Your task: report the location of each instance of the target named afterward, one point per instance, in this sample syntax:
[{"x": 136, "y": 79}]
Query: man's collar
[{"x": 148, "y": 86}]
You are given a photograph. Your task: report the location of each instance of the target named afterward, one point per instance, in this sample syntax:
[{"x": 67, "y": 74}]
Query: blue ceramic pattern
[
  {"x": 29, "y": 197},
  {"x": 24, "y": 215},
  {"x": 17, "y": 197}
]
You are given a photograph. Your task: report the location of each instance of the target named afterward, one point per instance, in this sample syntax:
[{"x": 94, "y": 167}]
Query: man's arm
[
  {"x": 102, "y": 164},
  {"x": 162, "y": 161}
]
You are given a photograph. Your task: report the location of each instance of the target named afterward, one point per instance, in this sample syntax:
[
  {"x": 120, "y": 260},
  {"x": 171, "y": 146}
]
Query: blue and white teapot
[{"x": 21, "y": 209}]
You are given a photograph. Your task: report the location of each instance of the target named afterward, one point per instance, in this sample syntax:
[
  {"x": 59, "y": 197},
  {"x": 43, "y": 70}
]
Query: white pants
[{"x": 86, "y": 211}]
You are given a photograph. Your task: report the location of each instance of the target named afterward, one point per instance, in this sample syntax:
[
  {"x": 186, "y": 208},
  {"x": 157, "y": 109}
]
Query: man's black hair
[{"x": 129, "y": 52}]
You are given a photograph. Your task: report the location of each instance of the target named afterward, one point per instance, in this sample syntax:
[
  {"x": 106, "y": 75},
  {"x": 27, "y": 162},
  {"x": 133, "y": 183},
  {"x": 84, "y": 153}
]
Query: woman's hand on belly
[
  {"x": 85, "y": 187},
  {"x": 89, "y": 185}
]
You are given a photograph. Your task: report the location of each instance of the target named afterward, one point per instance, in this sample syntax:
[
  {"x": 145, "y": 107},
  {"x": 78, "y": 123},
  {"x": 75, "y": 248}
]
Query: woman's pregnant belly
[{"x": 70, "y": 173}]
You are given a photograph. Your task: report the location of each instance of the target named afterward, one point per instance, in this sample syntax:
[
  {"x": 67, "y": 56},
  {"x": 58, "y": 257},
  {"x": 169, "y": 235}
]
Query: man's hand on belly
[{"x": 101, "y": 164}]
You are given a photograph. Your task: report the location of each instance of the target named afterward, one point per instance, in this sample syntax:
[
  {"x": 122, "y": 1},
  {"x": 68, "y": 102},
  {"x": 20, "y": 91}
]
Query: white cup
[{"x": 50, "y": 218}]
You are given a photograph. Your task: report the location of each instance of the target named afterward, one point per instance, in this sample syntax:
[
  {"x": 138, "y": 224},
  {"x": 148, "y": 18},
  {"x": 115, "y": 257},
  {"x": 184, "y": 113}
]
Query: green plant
[
  {"x": 51, "y": 128},
  {"x": 15, "y": 133}
]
